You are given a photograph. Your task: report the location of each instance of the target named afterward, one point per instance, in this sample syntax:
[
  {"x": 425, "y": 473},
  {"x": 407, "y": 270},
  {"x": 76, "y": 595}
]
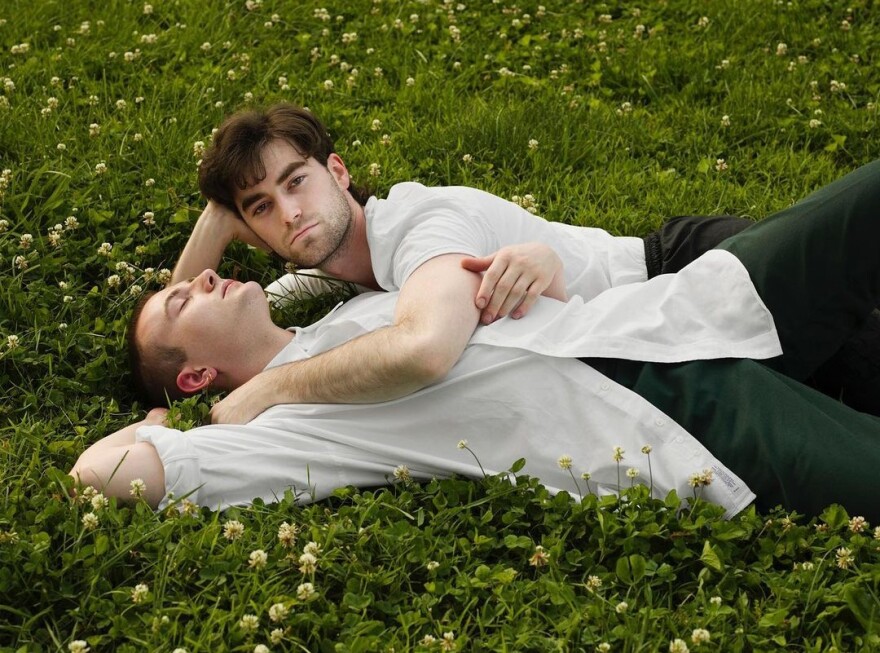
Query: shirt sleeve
[
  {"x": 445, "y": 231},
  {"x": 180, "y": 461}
]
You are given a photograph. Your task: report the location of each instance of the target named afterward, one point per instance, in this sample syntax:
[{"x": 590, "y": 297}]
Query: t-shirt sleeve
[
  {"x": 179, "y": 458},
  {"x": 444, "y": 231}
]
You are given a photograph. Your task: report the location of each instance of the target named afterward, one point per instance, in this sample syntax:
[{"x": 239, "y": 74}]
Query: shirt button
[
  {"x": 605, "y": 386},
  {"x": 660, "y": 421},
  {"x": 679, "y": 439}
]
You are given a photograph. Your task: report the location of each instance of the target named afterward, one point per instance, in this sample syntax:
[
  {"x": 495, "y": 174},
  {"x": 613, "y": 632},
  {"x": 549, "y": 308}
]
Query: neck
[
  {"x": 264, "y": 347},
  {"x": 352, "y": 261}
]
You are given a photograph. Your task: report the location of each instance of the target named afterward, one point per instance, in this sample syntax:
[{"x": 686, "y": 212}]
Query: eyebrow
[{"x": 288, "y": 170}]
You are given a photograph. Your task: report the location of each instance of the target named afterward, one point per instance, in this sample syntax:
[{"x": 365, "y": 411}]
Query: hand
[
  {"x": 236, "y": 228},
  {"x": 241, "y": 405},
  {"x": 514, "y": 277}
]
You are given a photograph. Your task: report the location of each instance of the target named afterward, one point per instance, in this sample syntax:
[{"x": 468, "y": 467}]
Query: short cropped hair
[
  {"x": 235, "y": 156},
  {"x": 154, "y": 366}
]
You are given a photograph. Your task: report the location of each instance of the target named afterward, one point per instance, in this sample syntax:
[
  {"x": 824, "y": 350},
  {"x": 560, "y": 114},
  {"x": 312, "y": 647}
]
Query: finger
[
  {"x": 528, "y": 301},
  {"x": 500, "y": 291},
  {"x": 516, "y": 296},
  {"x": 491, "y": 278},
  {"x": 477, "y": 264}
]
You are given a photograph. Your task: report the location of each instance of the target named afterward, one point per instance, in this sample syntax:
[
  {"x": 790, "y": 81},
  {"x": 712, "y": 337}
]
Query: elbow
[{"x": 429, "y": 363}]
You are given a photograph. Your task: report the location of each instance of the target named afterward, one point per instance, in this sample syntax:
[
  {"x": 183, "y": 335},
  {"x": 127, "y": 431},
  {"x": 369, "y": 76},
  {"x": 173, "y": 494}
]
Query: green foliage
[{"x": 608, "y": 114}]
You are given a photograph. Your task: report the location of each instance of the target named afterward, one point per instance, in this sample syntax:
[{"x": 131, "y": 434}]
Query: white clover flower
[
  {"x": 617, "y": 454},
  {"x": 375, "y": 170},
  {"x": 328, "y": 84},
  {"x": 149, "y": 218},
  {"x": 99, "y": 502},
  {"x": 78, "y": 646},
  {"x": 703, "y": 22},
  {"x": 432, "y": 565},
  {"x": 540, "y": 557},
  {"x": 137, "y": 488},
  {"x": 720, "y": 165},
  {"x": 163, "y": 276},
  {"x": 90, "y": 521},
  {"x": 11, "y": 342},
  {"x": 287, "y": 534},
  {"x": 632, "y": 473},
  {"x": 71, "y": 223},
  {"x": 149, "y": 38},
  {"x": 564, "y": 461},
  {"x": 844, "y": 557},
  {"x": 62, "y": 326},
  {"x": 625, "y": 108},
  {"x": 261, "y": 648},
  {"x": 533, "y": 144},
  {"x": 427, "y": 640},
  {"x": 276, "y": 636},
  {"x": 258, "y": 559},
  {"x": 105, "y": 249},
  {"x": 647, "y": 449},
  {"x": 100, "y": 168},
  {"x": 305, "y": 592},
  {"x": 448, "y": 641},
  {"x": 593, "y": 583},
  {"x": 857, "y": 524},
  {"x": 139, "y": 593},
  {"x": 21, "y": 262},
  {"x": 462, "y": 444},
  {"x": 700, "y": 479},
  {"x": 604, "y": 647},
  {"x": 114, "y": 281},
  {"x": 725, "y": 120},
  {"x": 621, "y": 607},
  {"x": 678, "y": 646},
  {"x": 67, "y": 299},
  {"x": 233, "y": 529},
  {"x": 249, "y": 622},
  {"x": 715, "y": 600},
  {"x": 26, "y": 241},
  {"x": 135, "y": 290},
  {"x": 700, "y": 636},
  {"x": 781, "y": 49},
  {"x": 877, "y": 532},
  {"x": 308, "y": 563},
  {"x": 312, "y": 547},
  {"x": 845, "y": 25},
  {"x": 836, "y": 87},
  {"x": 148, "y": 9},
  {"x": 137, "y": 137},
  {"x": 278, "y": 612}
]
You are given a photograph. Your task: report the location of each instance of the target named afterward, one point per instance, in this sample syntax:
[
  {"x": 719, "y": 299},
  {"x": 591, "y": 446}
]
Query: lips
[
  {"x": 301, "y": 233},
  {"x": 225, "y": 287}
]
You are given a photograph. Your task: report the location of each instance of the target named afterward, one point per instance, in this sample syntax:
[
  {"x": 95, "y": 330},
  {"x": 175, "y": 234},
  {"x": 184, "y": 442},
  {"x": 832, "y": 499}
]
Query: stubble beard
[{"x": 337, "y": 222}]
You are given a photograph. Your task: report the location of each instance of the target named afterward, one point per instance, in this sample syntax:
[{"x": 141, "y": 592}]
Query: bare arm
[
  {"x": 216, "y": 227},
  {"x": 433, "y": 322},
  {"x": 113, "y": 462},
  {"x": 514, "y": 277}
]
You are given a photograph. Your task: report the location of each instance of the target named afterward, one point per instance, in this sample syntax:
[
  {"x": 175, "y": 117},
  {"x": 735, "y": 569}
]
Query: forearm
[
  {"x": 204, "y": 249},
  {"x": 379, "y": 366}
]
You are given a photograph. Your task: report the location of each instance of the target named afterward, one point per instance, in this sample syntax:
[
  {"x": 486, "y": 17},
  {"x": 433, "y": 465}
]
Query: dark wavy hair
[{"x": 235, "y": 159}]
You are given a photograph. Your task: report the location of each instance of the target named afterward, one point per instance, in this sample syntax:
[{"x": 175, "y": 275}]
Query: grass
[{"x": 630, "y": 128}]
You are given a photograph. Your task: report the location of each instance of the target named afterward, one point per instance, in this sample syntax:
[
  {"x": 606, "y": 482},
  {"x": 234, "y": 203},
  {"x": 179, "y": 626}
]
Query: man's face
[
  {"x": 300, "y": 208},
  {"x": 212, "y": 319}
]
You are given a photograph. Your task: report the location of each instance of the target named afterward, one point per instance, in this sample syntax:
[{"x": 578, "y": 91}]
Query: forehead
[{"x": 153, "y": 319}]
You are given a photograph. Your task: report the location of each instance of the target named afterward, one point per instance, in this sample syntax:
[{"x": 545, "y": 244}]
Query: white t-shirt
[
  {"x": 416, "y": 223},
  {"x": 507, "y": 401}
]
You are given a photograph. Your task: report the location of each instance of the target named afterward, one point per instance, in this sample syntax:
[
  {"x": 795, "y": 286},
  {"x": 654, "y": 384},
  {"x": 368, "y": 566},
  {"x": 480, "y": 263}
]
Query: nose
[
  {"x": 290, "y": 213},
  {"x": 207, "y": 280}
]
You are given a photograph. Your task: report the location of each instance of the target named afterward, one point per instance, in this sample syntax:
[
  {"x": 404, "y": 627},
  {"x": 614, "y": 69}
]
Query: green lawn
[{"x": 610, "y": 114}]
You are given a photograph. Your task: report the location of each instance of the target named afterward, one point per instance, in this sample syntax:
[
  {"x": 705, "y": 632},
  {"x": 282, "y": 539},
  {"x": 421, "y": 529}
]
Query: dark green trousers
[{"x": 816, "y": 265}]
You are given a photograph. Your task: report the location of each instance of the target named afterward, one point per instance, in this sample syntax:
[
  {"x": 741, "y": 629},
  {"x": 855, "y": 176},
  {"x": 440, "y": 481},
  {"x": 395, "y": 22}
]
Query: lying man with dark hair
[{"x": 681, "y": 382}]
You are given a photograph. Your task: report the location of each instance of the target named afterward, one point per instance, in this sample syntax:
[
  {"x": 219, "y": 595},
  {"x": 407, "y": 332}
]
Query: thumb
[{"x": 475, "y": 264}]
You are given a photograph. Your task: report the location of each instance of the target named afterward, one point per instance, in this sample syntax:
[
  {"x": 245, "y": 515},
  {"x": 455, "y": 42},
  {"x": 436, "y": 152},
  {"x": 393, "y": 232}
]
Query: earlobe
[
  {"x": 192, "y": 380},
  {"x": 337, "y": 168}
]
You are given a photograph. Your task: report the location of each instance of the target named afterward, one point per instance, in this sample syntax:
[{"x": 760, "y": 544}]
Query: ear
[
  {"x": 191, "y": 380},
  {"x": 337, "y": 169}
]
